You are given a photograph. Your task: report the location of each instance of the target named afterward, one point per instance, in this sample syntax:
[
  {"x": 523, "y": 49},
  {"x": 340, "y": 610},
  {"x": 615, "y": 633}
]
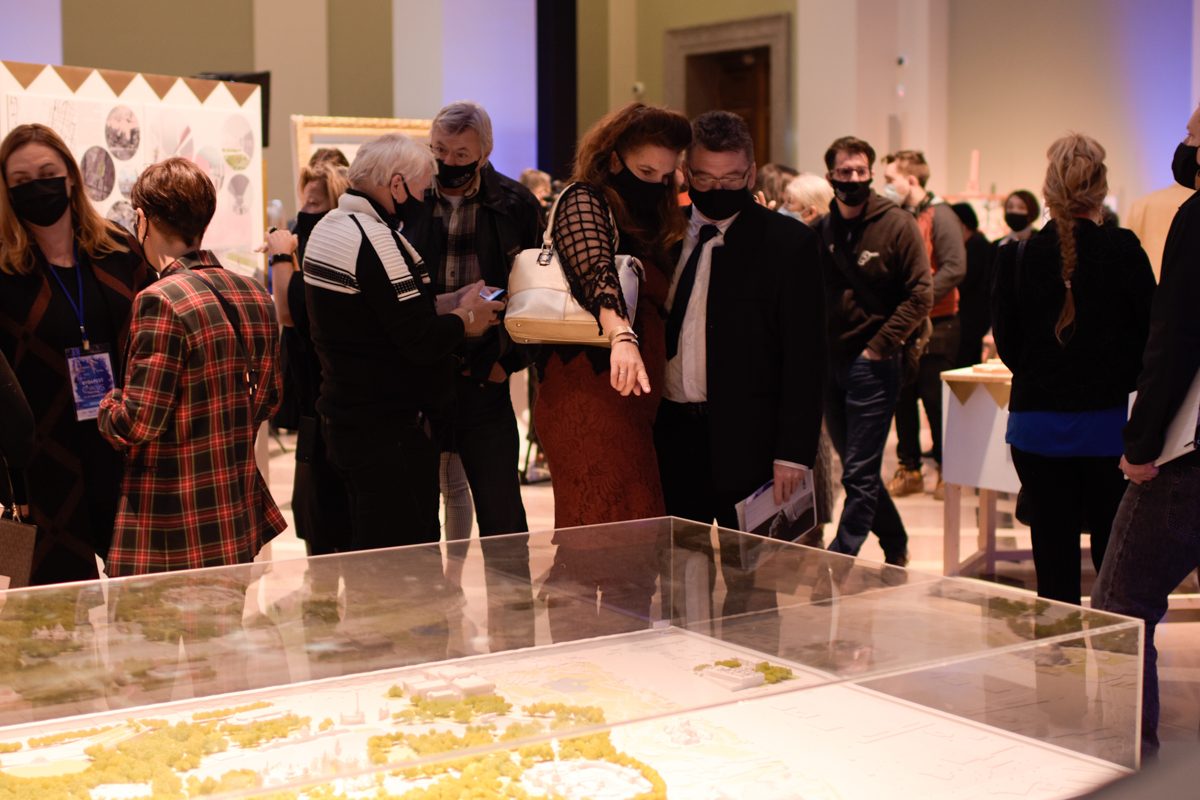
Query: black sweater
[
  {"x": 380, "y": 354},
  {"x": 1113, "y": 286}
]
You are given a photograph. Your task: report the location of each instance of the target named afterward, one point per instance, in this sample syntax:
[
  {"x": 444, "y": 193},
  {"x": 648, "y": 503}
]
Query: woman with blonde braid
[{"x": 1071, "y": 314}]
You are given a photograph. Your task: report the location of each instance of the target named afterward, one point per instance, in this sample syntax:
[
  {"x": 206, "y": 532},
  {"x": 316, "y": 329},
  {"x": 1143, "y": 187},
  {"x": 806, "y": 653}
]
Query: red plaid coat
[{"x": 192, "y": 495}]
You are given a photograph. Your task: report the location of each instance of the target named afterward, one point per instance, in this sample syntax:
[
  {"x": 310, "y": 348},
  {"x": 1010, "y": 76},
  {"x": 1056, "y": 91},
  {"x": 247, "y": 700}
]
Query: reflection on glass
[{"x": 633, "y": 660}]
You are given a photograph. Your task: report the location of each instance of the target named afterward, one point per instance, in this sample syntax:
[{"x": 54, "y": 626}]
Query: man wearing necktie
[{"x": 746, "y": 350}]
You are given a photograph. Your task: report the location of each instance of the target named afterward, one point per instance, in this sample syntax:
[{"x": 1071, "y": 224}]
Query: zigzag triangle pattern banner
[{"x": 118, "y": 123}]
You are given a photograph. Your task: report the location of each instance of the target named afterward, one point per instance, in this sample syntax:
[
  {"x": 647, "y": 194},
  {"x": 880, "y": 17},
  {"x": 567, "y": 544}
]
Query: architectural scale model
[{"x": 628, "y": 717}]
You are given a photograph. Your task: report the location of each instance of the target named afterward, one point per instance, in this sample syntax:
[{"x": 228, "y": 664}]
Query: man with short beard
[{"x": 878, "y": 289}]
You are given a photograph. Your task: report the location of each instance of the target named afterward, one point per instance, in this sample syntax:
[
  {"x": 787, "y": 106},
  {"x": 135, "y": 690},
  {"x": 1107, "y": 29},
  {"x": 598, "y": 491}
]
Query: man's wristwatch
[{"x": 275, "y": 259}]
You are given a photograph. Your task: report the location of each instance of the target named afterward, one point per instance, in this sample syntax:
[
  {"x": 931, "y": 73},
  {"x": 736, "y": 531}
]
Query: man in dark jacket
[
  {"x": 746, "y": 355},
  {"x": 878, "y": 288},
  {"x": 1155, "y": 540},
  {"x": 975, "y": 291},
  {"x": 474, "y": 224},
  {"x": 475, "y": 221}
]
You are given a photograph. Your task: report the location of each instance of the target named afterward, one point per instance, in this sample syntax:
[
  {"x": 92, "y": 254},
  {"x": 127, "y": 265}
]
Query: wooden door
[{"x": 738, "y": 81}]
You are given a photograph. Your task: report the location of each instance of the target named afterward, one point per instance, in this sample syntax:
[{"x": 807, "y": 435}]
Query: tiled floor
[{"x": 1178, "y": 642}]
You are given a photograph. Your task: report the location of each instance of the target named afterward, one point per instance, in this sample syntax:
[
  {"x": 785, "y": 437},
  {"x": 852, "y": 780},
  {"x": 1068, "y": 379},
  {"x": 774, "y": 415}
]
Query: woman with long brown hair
[
  {"x": 596, "y": 407},
  {"x": 67, "y": 281},
  {"x": 1071, "y": 314}
]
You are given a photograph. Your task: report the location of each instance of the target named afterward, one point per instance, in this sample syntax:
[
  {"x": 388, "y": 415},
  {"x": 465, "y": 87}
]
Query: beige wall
[
  {"x": 656, "y": 17},
  {"x": 591, "y": 62},
  {"x": 360, "y": 58},
  {"x": 166, "y": 37},
  {"x": 843, "y": 65},
  {"x": 291, "y": 40},
  {"x": 1072, "y": 74}
]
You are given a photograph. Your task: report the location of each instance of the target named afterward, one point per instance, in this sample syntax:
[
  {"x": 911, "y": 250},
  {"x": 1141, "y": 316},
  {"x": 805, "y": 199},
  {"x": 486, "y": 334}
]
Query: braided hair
[{"x": 1076, "y": 185}]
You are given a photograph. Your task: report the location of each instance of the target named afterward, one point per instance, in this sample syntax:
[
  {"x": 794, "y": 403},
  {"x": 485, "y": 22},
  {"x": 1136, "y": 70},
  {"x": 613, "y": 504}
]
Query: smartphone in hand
[{"x": 495, "y": 295}]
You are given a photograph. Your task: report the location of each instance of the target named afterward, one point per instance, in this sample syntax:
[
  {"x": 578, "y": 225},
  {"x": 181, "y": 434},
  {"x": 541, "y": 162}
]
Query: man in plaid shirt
[
  {"x": 475, "y": 221},
  {"x": 201, "y": 376}
]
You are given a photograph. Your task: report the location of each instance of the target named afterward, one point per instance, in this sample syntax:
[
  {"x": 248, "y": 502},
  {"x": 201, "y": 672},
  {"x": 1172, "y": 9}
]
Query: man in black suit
[
  {"x": 1155, "y": 539},
  {"x": 746, "y": 350}
]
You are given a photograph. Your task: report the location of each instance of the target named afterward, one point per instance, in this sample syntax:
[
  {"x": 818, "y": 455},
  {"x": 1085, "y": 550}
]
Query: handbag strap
[
  {"x": 235, "y": 322},
  {"x": 548, "y": 237}
]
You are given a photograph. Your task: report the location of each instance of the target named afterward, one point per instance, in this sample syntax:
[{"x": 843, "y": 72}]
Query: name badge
[{"x": 91, "y": 379}]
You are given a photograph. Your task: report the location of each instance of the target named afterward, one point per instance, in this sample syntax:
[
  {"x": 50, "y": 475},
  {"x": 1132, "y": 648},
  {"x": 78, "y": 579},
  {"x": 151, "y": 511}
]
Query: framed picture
[{"x": 346, "y": 134}]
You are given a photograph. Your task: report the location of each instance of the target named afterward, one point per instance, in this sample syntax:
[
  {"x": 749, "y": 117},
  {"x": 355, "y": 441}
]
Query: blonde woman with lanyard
[{"x": 67, "y": 281}]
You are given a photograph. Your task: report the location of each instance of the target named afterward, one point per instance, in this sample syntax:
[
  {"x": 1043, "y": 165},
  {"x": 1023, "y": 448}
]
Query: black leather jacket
[{"x": 509, "y": 221}]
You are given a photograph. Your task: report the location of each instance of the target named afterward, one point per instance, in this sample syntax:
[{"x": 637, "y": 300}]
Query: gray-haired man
[{"x": 475, "y": 221}]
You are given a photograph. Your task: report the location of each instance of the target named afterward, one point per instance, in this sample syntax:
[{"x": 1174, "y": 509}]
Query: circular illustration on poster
[
  {"x": 99, "y": 173},
  {"x": 126, "y": 177},
  {"x": 123, "y": 214},
  {"x": 237, "y": 142},
  {"x": 122, "y": 133},
  {"x": 209, "y": 160},
  {"x": 239, "y": 189}
]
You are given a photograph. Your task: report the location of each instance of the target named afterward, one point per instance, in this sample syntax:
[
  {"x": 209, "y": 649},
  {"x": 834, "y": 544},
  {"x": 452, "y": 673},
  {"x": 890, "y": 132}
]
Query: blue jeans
[
  {"x": 859, "y": 403},
  {"x": 1155, "y": 543},
  {"x": 482, "y": 428}
]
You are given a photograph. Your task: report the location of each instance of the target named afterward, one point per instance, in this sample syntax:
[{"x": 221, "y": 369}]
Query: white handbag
[{"x": 541, "y": 308}]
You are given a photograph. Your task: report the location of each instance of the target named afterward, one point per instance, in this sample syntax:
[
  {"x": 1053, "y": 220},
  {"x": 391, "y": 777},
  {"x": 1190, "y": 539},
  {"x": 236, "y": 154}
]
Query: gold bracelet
[
  {"x": 626, "y": 338},
  {"x": 615, "y": 332}
]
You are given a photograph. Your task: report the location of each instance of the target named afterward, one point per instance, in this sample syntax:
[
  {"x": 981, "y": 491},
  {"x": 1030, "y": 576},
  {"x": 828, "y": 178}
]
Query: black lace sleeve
[{"x": 583, "y": 237}]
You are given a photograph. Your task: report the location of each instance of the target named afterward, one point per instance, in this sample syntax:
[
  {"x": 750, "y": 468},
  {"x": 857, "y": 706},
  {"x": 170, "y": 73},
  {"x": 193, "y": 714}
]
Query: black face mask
[
  {"x": 852, "y": 193},
  {"x": 719, "y": 204},
  {"x": 1184, "y": 166},
  {"x": 455, "y": 176},
  {"x": 642, "y": 198},
  {"x": 1016, "y": 222},
  {"x": 305, "y": 222},
  {"x": 41, "y": 202}
]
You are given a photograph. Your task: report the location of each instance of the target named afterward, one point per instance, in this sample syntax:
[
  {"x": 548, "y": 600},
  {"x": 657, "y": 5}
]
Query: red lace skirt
[{"x": 600, "y": 445}]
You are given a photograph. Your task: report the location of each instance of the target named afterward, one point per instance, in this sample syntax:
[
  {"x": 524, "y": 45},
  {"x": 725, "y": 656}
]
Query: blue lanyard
[{"x": 77, "y": 308}]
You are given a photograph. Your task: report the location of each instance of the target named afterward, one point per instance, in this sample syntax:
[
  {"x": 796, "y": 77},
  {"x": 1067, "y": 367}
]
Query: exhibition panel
[
  {"x": 118, "y": 123},
  {"x": 642, "y": 659}
]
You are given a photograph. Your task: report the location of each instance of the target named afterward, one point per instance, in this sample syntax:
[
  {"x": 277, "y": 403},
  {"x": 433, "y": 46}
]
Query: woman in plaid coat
[{"x": 201, "y": 376}]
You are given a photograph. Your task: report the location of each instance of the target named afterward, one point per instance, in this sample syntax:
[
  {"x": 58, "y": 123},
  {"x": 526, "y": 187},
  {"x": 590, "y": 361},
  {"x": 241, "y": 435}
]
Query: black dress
[
  {"x": 16, "y": 435},
  {"x": 74, "y": 475}
]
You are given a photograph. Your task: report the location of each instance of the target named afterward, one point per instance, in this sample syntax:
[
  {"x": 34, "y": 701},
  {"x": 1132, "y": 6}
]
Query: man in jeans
[
  {"x": 1155, "y": 540},
  {"x": 906, "y": 174},
  {"x": 473, "y": 224},
  {"x": 877, "y": 290}
]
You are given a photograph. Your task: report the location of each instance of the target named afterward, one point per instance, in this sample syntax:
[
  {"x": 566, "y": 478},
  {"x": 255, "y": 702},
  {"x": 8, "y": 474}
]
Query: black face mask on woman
[
  {"x": 41, "y": 202},
  {"x": 1184, "y": 166},
  {"x": 305, "y": 222},
  {"x": 852, "y": 193},
  {"x": 642, "y": 198},
  {"x": 719, "y": 204},
  {"x": 1016, "y": 222}
]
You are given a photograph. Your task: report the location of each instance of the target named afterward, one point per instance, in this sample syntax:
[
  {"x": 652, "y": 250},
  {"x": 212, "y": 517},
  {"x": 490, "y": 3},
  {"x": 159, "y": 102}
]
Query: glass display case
[{"x": 649, "y": 659}]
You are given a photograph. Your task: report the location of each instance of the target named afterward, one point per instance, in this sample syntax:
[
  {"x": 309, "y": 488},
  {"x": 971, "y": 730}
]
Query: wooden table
[{"x": 974, "y": 454}]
